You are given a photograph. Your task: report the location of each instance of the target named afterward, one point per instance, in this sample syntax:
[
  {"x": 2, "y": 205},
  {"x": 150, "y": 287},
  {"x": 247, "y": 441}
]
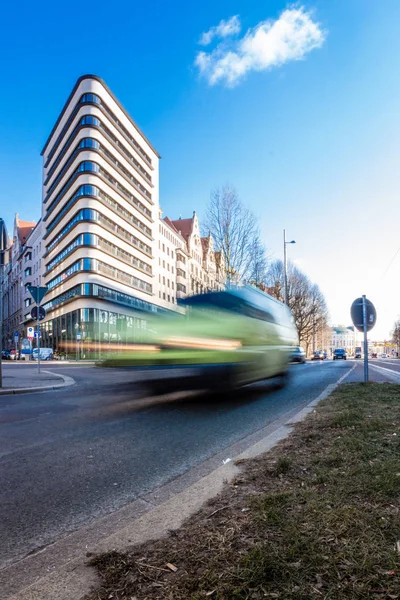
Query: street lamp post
[{"x": 285, "y": 243}]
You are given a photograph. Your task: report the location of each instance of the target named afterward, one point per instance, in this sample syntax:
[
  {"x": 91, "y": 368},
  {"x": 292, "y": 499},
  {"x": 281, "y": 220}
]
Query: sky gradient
[{"x": 301, "y": 116}]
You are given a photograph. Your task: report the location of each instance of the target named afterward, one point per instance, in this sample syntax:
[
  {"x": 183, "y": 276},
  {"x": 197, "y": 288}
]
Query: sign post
[
  {"x": 363, "y": 315},
  {"x": 38, "y": 312},
  {"x": 16, "y": 337},
  {"x": 364, "y": 299}
]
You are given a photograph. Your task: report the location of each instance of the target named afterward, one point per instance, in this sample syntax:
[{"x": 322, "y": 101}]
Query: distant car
[
  {"x": 317, "y": 355},
  {"x": 339, "y": 354},
  {"x": 326, "y": 355},
  {"x": 14, "y": 355},
  {"x": 298, "y": 355},
  {"x": 384, "y": 355},
  {"x": 357, "y": 354},
  {"x": 5, "y": 355}
]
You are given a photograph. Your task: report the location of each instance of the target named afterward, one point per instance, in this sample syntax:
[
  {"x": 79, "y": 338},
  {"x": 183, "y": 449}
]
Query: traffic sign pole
[
  {"x": 37, "y": 293},
  {"x": 38, "y": 339},
  {"x": 364, "y": 307}
]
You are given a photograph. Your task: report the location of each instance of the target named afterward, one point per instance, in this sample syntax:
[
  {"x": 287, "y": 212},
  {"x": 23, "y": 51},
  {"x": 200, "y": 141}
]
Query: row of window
[
  {"x": 123, "y": 277},
  {"x": 88, "y": 214},
  {"x": 169, "y": 236},
  {"x": 123, "y": 255},
  {"x": 94, "y": 265},
  {"x": 93, "y": 99},
  {"x": 92, "y": 144},
  {"x": 90, "y": 120},
  {"x": 92, "y": 167},
  {"x": 83, "y": 264},
  {"x": 92, "y": 289},
  {"x": 166, "y": 296},
  {"x": 90, "y": 239},
  {"x": 166, "y": 282},
  {"x": 128, "y": 155},
  {"x": 163, "y": 249},
  {"x": 85, "y": 239},
  {"x": 93, "y": 191},
  {"x": 167, "y": 267}
]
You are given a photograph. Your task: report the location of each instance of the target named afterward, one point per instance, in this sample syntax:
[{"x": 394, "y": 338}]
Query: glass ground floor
[{"x": 91, "y": 333}]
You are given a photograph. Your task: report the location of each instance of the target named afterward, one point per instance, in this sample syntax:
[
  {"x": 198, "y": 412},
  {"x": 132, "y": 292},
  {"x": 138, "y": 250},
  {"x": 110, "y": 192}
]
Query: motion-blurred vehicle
[
  {"x": 339, "y": 354},
  {"x": 227, "y": 339},
  {"x": 318, "y": 355},
  {"x": 383, "y": 355},
  {"x": 298, "y": 355}
]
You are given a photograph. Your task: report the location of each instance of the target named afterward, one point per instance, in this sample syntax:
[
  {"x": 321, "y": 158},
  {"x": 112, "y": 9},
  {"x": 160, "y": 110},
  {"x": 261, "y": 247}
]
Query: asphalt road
[{"x": 71, "y": 455}]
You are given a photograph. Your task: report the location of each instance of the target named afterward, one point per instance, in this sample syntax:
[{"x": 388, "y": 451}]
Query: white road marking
[{"x": 394, "y": 375}]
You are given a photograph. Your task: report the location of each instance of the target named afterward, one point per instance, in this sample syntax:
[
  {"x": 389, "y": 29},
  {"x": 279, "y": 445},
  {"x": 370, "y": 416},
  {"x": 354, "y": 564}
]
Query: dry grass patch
[{"x": 317, "y": 517}]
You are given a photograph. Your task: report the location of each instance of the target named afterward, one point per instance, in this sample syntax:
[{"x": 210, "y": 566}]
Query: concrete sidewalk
[{"x": 22, "y": 381}]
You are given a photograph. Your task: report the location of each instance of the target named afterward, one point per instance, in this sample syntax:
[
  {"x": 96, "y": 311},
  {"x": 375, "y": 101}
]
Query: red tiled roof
[
  {"x": 205, "y": 242},
  {"x": 170, "y": 223},
  {"x": 185, "y": 226},
  {"x": 24, "y": 229}
]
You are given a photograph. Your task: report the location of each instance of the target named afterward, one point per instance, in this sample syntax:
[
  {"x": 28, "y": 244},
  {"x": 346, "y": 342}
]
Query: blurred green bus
[{"x": 225, "y": 340}]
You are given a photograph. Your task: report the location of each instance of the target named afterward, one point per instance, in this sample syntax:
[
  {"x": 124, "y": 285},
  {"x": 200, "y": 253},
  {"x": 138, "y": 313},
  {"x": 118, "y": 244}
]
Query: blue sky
[{"x": 311, "y": 145}]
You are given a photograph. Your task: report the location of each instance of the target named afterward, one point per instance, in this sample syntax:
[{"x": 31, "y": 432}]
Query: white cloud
[
  {"x": 222, "y": 30},
  {"x": 269, "y": 44}
]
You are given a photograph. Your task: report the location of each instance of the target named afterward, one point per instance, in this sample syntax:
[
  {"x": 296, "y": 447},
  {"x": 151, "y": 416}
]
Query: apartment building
[
  {"x": 32, "y": 266},
  {"x": 13, "y": 284},
  {"x": 100, "y": 217},
  {"x": 172, "y": 260},
  {"x": 198, "y": 268},
  {"x": 345, "y": 337}
]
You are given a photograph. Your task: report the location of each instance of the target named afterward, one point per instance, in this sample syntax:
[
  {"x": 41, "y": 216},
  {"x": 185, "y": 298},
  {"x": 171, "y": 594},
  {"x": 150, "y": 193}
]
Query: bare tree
[
  {"x": 306, "y": 302},
  {"x": 258, "y": 266},
  {"x": 396, "y": 334},
  {"x": 235, "y": 232}
]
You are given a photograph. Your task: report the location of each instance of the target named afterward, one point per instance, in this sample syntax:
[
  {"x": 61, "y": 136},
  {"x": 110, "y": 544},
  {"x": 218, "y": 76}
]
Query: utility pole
[{"x": 286, "y": 298}]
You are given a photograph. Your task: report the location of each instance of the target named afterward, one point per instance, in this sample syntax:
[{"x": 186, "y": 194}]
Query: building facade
[
  {"x": 198, "y": 267},
  {"x": 100, "y": 214},
  {"x": 32, "y": 268},
  {"x": 14, "y": 281},
  {"x": 345, "y": 337}
]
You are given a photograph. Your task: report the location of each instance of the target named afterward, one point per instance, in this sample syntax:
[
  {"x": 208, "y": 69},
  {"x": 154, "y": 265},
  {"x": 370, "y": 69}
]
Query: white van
[{"x": 45, "y": 354}]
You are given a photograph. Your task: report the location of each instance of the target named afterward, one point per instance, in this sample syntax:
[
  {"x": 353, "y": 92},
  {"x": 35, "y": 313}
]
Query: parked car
[
  {"x": 14, "y": 355},
  {"x": 339, "y": 353},
  {"x": 384, "y": 355},
  {"x": 326, "y": 355},
  {"x": 45, "y": 354},
  {"x": 5, "y": 355},
  {"x": 298, "y": 355},
  {"x": 317, "y": 355}
]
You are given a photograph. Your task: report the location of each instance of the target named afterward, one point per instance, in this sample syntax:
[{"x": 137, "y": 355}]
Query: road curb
[{"x": 67, "y": 381}]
